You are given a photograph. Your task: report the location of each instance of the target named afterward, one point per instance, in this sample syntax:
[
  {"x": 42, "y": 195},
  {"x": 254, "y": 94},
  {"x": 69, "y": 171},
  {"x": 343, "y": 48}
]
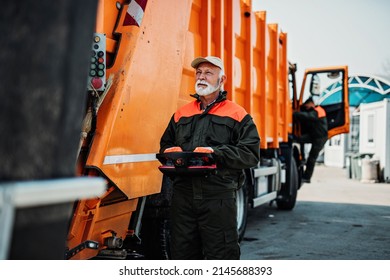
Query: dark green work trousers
[
  {"x": 316, "y": 146},
  {"x": 204, "y": 228}
]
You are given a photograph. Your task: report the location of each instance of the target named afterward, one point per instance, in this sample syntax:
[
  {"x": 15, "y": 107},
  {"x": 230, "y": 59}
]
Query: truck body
[
  {"x": 140, "y": 74},
  {"x": 148, "y": 76}
]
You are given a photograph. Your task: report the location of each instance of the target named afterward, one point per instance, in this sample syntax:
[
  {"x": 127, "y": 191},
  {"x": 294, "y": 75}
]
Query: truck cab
[{"x": 318, "y": 81}]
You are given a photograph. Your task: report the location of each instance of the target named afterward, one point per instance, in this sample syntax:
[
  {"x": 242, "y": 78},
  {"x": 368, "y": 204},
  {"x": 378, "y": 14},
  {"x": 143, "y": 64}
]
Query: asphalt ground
[{"x": 335, "y": 218}]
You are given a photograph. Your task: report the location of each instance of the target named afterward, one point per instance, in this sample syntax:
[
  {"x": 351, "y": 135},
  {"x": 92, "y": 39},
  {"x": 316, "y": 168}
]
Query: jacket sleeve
[
  {"x": 306, "y": 115},
  {"x": 168, "y": 138},
  {"x": 245, "y": 152}
]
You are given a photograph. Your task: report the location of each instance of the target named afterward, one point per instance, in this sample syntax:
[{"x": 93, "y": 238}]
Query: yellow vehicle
[{"x": 140, "y": 74}]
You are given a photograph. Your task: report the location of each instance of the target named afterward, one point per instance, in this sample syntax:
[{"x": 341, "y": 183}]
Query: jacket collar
[{"x": 221, "y": 96}]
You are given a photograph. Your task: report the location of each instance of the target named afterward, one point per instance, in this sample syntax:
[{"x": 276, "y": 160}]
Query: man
[
  {"x": 314, "y": 130},
  {"x": 203, "y": 210}
]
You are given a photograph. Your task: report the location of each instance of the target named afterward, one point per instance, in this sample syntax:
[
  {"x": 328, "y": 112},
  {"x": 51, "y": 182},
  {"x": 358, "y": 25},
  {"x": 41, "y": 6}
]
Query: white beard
[{"x": 207, "y": 90}]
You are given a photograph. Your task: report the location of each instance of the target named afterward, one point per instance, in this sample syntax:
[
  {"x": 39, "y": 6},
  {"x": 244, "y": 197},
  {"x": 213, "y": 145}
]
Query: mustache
[{"x": 198, "y": 82}]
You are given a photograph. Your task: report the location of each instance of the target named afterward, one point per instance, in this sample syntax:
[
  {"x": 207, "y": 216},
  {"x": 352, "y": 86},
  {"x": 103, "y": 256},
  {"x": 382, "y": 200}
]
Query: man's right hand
[
  {"x": 173, "y": 150},
  {"x": 208, "y": 150}
]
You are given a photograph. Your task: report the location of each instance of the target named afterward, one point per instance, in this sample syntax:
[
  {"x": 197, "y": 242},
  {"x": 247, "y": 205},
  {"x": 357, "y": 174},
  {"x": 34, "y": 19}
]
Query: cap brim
[{"x": 198, "y": 61}]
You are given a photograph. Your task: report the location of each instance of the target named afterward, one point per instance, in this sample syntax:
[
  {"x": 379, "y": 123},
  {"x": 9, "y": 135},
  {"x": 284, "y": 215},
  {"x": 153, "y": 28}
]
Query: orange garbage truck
[{"x": 140, "y": 73}]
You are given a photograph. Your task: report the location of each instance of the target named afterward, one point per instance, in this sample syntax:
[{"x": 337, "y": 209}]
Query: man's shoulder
[
  {"x": 228, "y": 108},
  {"x": 320, "y": 111},
  {"x": 188, "y": 110}
]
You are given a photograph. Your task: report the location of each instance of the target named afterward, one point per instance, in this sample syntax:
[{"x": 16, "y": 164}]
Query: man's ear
[{"x": 223, "y": 79}]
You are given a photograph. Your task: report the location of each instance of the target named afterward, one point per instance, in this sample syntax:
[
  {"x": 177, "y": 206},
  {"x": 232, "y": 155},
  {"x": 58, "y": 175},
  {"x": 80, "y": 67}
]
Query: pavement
[
  {"x": 335, "y": 218},
  {"x": 331, "y": 184}
]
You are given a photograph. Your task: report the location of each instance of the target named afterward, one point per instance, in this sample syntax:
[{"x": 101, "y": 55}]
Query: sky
[{"x": 334, "y": 32}]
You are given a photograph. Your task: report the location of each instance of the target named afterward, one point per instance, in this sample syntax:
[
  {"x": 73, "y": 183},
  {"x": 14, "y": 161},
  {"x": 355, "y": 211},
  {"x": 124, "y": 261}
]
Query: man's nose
[{"x": 201, "y": 76}]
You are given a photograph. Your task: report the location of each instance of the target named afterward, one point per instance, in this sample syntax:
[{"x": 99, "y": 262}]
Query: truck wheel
[
  {"x": 242, "y": 211},
  {"x": 155, "y": 230},
  {"x": 156, "y": 239},
  {"x": 290, "y": 188}
]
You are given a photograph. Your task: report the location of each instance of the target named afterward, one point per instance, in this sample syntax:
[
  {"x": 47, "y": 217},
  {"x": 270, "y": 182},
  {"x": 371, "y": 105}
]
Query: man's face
[{"x": 207, "y": 79}]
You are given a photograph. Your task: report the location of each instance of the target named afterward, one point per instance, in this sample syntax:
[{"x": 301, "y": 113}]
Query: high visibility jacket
[{"x": 229, "y": 130}]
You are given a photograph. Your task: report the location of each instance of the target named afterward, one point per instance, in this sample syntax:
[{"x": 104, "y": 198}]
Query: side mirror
[{"x": 315, "y": 85}]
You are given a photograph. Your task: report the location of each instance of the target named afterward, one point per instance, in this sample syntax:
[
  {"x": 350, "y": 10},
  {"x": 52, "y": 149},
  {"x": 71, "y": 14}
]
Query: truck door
[{"x": 330, "y": 83}]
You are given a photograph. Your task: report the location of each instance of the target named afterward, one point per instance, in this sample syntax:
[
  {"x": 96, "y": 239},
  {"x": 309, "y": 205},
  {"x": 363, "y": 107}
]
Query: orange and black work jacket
[
  {"x": 313, "y": 122},
  {"x": 229, "y": 130}
]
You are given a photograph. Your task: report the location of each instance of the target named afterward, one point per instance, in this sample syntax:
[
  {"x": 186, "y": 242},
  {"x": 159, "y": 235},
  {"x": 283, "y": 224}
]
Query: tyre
[
  {"x": 156, "y": 239},
  {"x": 242, "y": 211},
  {"x": 155, "y": 230},
  {"x": 290, "y": 188}
]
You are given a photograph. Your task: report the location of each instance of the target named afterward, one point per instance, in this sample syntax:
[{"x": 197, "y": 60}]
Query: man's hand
[
  {"x": 173, "y": 150},
  {"x": 204, "y": 150}
]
